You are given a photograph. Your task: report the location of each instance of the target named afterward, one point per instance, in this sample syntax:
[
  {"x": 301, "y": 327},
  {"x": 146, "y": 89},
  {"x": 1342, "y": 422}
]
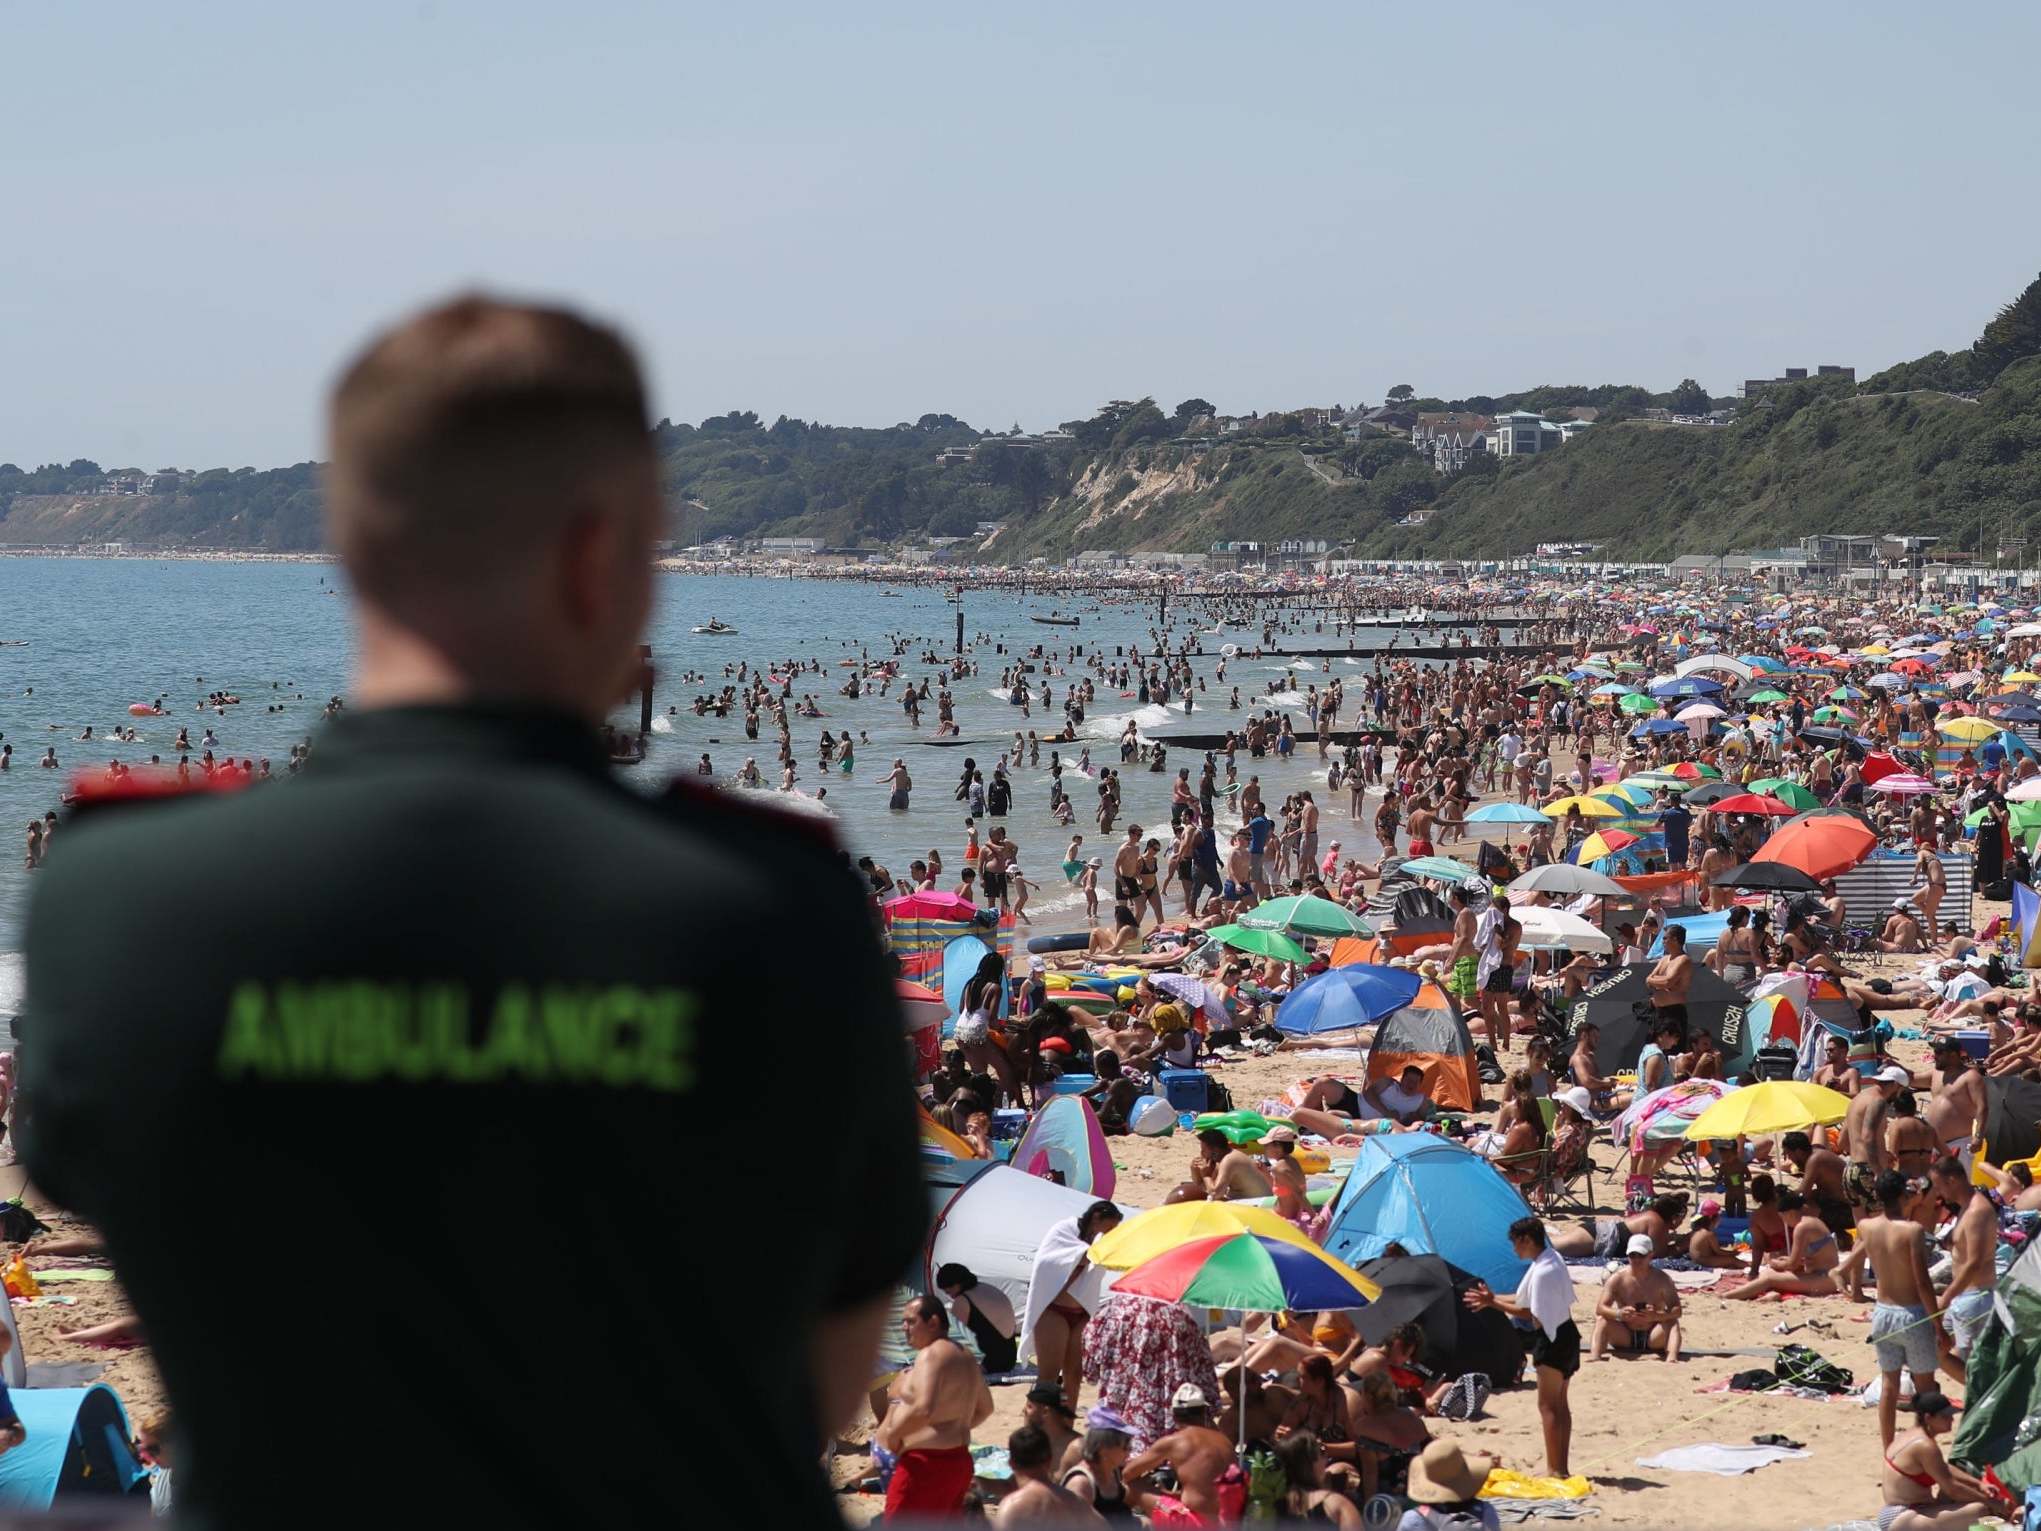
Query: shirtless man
[
  {"x": 1639, "y": 1309},
  {"x": 1835, "y": 1072},
  {"x": 1222, "y": 1172},
  {"x": 1958, "y": 1107},
  {"x": 1210, "y": 1485},
  {"x": 1461, "y": 958},
  {"x": 1902, "y": 932},
  {"x": 1602, "y": 1090},
  {"x": 995, "y": 863},
  {"x": 1967, "y": 1300},
  {"x": 1036, "y": 1498},
  {"x": 1672, "y": 978},
  {"x": 1864, "y": 1132},
  {"x": 1821, "y": 1179},
  {"x": 1903, "y": 1325},
  {"x": 934, "y": 1406},
  {"x": 1127, "y": 870},
  {"x": 901, "y": 784}
]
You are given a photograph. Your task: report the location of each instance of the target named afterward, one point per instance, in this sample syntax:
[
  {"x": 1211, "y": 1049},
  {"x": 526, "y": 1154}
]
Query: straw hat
[{"x": 1444, "y": 1474}]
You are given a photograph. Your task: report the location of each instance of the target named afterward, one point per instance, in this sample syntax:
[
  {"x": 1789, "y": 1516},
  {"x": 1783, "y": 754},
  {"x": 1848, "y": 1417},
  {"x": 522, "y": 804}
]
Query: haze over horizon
[{"x": 861, "y": 217}]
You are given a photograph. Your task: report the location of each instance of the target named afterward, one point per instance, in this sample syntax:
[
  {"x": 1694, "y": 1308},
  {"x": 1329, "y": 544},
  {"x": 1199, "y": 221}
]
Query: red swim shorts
[{"x": 929, "y": 1483}]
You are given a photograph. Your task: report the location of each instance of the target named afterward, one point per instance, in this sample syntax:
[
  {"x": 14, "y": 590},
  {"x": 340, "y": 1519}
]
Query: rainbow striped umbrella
[{"x": 1249, "y": 1273}]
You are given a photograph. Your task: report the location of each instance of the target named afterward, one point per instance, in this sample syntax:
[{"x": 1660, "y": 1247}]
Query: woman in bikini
[
  {"x": 1808, "y": 1264},
  {"x": 1320, "y": 1408},
  {"x": 1387, "y": 1435},
  {"x": 1923, "y": 1492},
  {"x": 1306, "y": 1500}
]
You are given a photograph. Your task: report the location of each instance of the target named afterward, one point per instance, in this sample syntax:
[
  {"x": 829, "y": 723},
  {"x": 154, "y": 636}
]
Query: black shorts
[
  {"x": 992, "y": 884},
  {"x": 1126, "y": 890},
  {"x": 1561, "y": 1351},
  {"x": 1501, "y": 981},
  {"x": 1674, "y": 1013}
]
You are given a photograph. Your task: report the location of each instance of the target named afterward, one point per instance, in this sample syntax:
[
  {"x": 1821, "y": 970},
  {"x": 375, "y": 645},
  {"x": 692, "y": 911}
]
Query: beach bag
[
  {"x": 1462, "y": 1400},
  {"x": 18, "y": 1225},
  {"x": 1798, "y": 1366}
]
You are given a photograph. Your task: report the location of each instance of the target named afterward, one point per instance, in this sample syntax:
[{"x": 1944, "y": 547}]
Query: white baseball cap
[
  {"x": 1892, "y": 1073},
  {"x": 1640, "y": 1244},
  {"x": 1190, "y": 1396}
]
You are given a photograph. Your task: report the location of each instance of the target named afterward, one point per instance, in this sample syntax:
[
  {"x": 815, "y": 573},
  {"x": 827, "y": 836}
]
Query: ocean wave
[{"x": 1110, "y": 725}]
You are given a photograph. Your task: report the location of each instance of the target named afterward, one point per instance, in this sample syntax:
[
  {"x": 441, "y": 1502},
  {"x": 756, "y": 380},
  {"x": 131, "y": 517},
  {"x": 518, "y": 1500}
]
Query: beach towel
[
  {"x": 1507, "y": 1483},
  {"x": 1722, "y": 1461},
  {"x": 1062, "y": 1251}
]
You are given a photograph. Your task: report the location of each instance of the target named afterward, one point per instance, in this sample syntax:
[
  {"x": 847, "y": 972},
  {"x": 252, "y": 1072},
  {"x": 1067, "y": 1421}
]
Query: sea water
[{"x": 99, "y": 634}]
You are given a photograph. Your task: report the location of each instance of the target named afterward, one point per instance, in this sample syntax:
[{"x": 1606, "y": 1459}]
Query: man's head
[
  {"x": 1027, "y": 1449},
  {"x": 1892, "y": 1079},
  {"x": 494, "y": 495},
  {"x": 1215, "y": 1143},
  {"x": 1527, "y": 1237},
  {"x": 1951, "y": 1180},
  {"x": 1190, "y": 1405},
  {"x": 1675, "y": 939},
  {"x": 1797, "y": 1146},
  {"x": 1412, "y": 1079},
  {"x": 1045, "y": 1403},
  {"x": 924, "y": 1322},
  {"x": 1639, "y": 1250}
]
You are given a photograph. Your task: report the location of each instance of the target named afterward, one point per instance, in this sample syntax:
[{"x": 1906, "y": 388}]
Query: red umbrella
[
  {"x": 923, "y": 1006},
  {"x": 1877, "y": 764},
  {"x": 1753, "y": 802},
  {"x": 930, "y": 906},
  {"x": 1820, "y": 847}
]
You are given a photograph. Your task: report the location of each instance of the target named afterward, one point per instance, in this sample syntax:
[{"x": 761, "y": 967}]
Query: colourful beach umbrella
[
  {"x": 1635, "y": 703},
  {"x": 1770, "y": 695},
  {"x": 1789, "y": 792},
  {"x": 1441, "y": 868},
  {"x": 1605, "y": 842},
  {"x": 1903, "y": 784},
  {"x": 1506, "y": 813},
  {"x": 1156, "y": 1232},
  {"x": 1694, "y": 770},
  {"x": 1249, "y": 1273}
]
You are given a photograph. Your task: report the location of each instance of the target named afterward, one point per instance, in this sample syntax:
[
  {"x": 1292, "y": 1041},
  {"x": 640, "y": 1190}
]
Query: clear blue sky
[{"x": 857, "y": 213}]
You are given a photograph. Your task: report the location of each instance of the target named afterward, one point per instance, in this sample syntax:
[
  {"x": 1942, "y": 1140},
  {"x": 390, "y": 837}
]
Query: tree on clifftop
[
  {"x": 1401, "y": 393},
  {"x": 1690, "y": 398},
  {"x": 1191, "y": 409},
  {"x": 2015, "y": 333}
]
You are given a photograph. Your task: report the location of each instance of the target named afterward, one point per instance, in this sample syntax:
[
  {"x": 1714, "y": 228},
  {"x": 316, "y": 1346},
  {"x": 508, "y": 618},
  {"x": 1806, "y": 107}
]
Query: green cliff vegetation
[{"x": 1949, "y": 445}]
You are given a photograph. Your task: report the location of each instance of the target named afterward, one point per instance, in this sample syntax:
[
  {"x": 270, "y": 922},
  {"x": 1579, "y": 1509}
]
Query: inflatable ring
[
  {"x": 1239, "y": 1127},
  {"x": 1074, "y": 942}
]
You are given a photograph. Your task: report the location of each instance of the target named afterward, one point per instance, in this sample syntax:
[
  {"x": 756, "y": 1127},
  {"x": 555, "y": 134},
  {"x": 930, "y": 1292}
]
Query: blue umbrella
[
  {"x": 1433, "y": 1197},
  {"x": 1440, "y": 868},
  {"x": 1344, "y": 999},
  {"x": 1658, "y": 726},
  {"x": 1506, "y": 813},
  {"x": 1686, "y": 685}
]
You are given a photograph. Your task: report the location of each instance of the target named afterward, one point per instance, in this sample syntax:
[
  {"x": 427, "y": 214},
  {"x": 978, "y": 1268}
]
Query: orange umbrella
[{"x": 1820, "y": 847}]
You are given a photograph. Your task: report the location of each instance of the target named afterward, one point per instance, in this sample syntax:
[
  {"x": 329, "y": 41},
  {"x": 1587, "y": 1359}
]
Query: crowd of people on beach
[{"x": 1641, "y": 767}]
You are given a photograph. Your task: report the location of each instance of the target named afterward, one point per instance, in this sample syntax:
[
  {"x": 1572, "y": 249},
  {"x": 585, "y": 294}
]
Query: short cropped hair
[{"x": 469, "y": 434}]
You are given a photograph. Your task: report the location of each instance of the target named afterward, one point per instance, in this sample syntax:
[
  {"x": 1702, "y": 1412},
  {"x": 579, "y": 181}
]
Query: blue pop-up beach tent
[
  {"x": 77, "y": 1447},
  {"x": 1434, "y": 1198}
]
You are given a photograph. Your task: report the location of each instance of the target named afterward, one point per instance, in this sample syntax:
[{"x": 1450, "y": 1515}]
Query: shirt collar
[{"x": 499, "y": 730}]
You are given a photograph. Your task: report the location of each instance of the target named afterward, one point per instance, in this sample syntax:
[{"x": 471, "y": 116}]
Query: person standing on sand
[
  {"x": 1904, "y": 1322},
  {"x": 493, "y": 492},
  {"x": 934, "y": 1406}
]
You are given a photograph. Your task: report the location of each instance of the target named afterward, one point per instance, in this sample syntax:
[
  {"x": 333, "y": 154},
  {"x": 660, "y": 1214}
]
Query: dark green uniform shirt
[{"x": 434, "y": 1106}]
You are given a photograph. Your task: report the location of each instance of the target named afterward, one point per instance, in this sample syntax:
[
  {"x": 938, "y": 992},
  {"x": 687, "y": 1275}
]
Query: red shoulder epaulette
[
  {"x": 694, "y": 792},
  {"x": 94, "y": 789}
]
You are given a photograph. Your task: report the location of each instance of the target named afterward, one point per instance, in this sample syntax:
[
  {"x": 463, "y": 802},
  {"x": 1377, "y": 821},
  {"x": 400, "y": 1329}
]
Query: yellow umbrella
[
  {"x": 1777, "y": 1105},
  {"x": 1969, "y": 730},
  {"x": 2020, "y": 677},
  {"x": 1590, "y": 808},
  {"x": 1147, "y": 1234}
]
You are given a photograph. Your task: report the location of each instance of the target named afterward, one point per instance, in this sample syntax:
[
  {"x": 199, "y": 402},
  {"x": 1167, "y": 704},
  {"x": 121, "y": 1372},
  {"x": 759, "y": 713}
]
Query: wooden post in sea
[
  {"x": 644, "y": 689},
  {"x": 960, "y": 627}
]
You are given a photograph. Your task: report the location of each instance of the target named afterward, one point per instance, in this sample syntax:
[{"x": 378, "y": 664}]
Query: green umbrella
[
  {"x": 1637, "y": 703},
  {"x": 1770, "y": 696},
  {"x": 1305, "y": 915},
  {"x": 1787, "y": 792},
  {"x": 1263, "y": 943}
]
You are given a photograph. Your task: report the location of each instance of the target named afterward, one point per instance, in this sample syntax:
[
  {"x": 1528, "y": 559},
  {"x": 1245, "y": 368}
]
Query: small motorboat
[
  {"x": 1055, "y": 621},
  {"x": 715, "y": 628}
]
